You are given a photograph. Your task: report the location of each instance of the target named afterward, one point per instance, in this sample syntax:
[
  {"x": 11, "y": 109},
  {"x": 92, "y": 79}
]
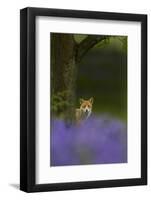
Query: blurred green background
[{"x": 102, "y": 74}]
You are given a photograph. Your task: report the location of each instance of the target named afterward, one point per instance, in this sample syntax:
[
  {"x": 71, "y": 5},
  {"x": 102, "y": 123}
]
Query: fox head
[{"x": 86, "y": 106}]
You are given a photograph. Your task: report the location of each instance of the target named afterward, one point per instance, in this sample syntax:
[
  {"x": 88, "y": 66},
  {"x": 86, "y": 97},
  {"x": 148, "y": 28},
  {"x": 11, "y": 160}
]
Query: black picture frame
[{"x": 28, "y": 98}]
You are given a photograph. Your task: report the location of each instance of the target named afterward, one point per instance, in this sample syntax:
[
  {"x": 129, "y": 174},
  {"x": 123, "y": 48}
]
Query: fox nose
[{"x": 86, "y": 110}]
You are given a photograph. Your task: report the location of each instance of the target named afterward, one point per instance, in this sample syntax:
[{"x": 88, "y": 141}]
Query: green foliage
[
  {"x": 114, "y": 42},
  {"x": 79, "y": 37},
  {"x": 103, "y": 43},
  {"x": 118, "y": 42},
  {"x": 124, "y": 43},
  {"x": 59, "y": 103}
]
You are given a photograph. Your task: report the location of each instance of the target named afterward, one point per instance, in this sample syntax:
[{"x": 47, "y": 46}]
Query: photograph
[
  {"x": 88, "y": 99},
  {"x": 83, "y": 84}
]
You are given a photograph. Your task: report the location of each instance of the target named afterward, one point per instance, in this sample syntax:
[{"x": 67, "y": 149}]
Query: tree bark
[{"x": 63, "y": 72}]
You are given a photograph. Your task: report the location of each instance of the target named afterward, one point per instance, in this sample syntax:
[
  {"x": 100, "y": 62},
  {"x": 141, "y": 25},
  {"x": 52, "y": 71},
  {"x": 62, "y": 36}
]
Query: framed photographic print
[{"x": 83, "y": 99}]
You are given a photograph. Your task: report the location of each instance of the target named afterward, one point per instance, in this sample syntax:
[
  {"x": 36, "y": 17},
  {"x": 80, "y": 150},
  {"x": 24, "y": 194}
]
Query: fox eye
[
  {"x": 88, "y": 106},
  {"x": 84, "y": 106}
]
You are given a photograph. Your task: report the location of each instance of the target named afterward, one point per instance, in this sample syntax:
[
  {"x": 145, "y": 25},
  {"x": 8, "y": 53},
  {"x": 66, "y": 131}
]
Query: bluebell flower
[{"x": 98, "y": 140}]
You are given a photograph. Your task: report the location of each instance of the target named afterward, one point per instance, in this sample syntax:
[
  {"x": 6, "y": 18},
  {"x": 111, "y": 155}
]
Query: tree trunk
[{"x": 63, "y": 74}]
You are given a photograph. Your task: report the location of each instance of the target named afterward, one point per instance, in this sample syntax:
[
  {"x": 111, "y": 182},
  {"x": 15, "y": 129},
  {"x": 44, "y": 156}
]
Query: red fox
[{"x": 85, "y": 109}]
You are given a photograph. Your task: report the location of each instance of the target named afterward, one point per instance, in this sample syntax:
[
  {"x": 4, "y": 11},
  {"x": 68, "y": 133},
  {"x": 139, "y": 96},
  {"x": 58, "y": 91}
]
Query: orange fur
[{"x": 85, "y": 109}]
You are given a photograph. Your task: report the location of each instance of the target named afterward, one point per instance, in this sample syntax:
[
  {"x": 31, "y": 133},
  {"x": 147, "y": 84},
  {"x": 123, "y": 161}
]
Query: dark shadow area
[{"x": 102, "y": 74}]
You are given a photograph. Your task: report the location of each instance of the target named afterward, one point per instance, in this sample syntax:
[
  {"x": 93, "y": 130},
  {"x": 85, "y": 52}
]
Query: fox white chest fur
[{"x": 85, "y": 109}]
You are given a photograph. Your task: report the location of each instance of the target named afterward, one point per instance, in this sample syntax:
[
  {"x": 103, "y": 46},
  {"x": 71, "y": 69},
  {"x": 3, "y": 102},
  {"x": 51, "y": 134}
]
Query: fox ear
[
  {"x": 81, "y": 101},
  {"x": 91, "y": 100}
]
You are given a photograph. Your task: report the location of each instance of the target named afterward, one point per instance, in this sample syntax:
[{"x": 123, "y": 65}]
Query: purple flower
[{"x": 98, "y": 140}]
